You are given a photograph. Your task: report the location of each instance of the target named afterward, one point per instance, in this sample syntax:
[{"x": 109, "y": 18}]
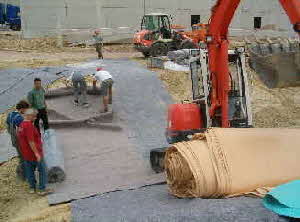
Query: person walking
[
  {"x": 80, "y": 88},
  {"x": 98, "y": 43},
  {"x": 13, "y": 121},
  {"x": 36, "y": 98},
  {"x": 106, "y": 87},
  {"x": 32, "y": 152}
]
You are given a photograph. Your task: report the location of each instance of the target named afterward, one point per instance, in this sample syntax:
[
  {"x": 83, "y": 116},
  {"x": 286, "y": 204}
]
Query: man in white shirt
[{"x": 106, "y": 87}]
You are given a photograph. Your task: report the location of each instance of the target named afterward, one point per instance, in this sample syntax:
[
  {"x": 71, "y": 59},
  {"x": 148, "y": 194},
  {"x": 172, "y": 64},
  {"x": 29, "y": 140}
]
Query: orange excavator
[
  {"x": 158, "y": 36},
  {"x": 220, "y": 96}
]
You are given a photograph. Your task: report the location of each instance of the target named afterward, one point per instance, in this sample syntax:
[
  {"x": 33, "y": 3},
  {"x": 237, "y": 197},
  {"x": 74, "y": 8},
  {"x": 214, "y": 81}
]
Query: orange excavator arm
[{"x": 217, "y": 42}]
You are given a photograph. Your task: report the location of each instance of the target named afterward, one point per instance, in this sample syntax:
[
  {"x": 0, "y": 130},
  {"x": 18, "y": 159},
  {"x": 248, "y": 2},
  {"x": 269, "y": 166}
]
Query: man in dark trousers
[
  {"x": 80, "y": 88},
  {"x": 36, "y": 98},
  {"x": 13, "y": 121}
]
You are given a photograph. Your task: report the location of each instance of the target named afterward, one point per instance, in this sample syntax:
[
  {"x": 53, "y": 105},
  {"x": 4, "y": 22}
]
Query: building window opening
[
  {"x": 195, "y": 19},
  {"x": 257, "y": 22}
]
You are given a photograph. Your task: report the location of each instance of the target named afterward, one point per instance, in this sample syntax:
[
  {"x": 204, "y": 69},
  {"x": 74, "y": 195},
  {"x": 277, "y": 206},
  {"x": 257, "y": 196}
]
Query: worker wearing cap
[
  {"x": 32, "y": 151},
  {"x": 80, "y": 88},
  {"x": 106, "y": 87},
  {"x": 98, "y": 43}
]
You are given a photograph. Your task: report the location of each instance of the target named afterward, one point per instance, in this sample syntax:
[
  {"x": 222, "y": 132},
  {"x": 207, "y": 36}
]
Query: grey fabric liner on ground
[
  {"x": 54, "y": 157},
  {"x": 141, "y": 101},
  {"x": 7, "y": 151},
  {"x": 15, "y": 83},
  {"x": 99, "y": 161},
  {"x": 154, "y": 203}
]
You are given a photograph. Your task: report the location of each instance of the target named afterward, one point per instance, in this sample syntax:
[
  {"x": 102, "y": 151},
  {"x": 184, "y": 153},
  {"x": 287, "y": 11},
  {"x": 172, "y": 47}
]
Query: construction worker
[
  {"x": 13, "y": 121},
  {"x": 98, "y": 43},
  {"x": 32, "y": 151},
  {"x": 36, "y": 98},
  {"x": 106, "y": 87},
  {"x": 80, "y": 88}
]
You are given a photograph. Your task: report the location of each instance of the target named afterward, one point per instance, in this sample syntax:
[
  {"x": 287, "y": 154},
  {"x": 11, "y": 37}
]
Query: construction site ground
[{"x": 271, "y": 108}]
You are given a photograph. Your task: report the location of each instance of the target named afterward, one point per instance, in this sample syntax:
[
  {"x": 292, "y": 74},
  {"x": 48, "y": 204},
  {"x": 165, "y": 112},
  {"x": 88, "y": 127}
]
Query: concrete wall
[{"x": 119, "y": 19}]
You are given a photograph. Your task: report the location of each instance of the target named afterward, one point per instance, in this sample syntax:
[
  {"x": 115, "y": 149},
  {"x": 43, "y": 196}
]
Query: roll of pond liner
[
  {"x": 231, "y": 162},
  {"x": 54, "y": 157}
]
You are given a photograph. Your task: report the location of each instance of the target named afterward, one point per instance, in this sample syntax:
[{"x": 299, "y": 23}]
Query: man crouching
[
  {"x": 106, "y": 87},
  {"x": 32, "y": 152}
]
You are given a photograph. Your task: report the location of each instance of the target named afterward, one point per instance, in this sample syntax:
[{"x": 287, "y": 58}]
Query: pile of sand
[{"x": 41, "y": 44}]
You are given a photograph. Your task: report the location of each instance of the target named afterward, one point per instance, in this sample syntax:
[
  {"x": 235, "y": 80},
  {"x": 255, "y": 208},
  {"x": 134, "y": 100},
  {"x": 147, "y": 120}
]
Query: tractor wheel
[
  {"x": 146, "y": 54},
  {"x": 158, "y": 49},
  {"x": 187, "y": 44}
]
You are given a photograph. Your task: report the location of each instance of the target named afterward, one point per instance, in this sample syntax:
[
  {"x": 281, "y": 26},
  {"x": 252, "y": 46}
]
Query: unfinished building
[{"x": 120, "y": 19}]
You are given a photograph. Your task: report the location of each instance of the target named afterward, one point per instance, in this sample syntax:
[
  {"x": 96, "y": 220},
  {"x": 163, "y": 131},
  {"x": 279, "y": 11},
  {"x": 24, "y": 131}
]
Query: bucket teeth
[{"x": 276, "y": 61}]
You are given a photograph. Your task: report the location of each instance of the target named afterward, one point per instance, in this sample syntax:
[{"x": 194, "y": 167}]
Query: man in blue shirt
[{"x": 13, "y": 121}]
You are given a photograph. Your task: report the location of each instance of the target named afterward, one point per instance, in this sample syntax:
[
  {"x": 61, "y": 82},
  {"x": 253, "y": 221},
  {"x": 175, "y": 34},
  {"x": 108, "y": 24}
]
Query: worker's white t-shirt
[{"x": 102, "y": 75}]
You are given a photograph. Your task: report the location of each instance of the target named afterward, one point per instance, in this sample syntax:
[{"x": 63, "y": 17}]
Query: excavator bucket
[{"x": 276, "y": 63}]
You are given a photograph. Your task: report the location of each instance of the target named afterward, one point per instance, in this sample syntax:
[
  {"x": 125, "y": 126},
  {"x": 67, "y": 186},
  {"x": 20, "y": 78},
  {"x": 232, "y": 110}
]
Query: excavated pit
[{"x": 63, "y": 113}]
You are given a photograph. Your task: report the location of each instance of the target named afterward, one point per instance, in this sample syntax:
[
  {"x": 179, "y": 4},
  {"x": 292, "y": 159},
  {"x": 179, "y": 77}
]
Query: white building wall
[{"x": 119, "y": 19}]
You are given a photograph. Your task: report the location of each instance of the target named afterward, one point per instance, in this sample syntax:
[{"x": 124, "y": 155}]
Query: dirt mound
[
  {"x": 18, "y": 44},
  {"x": 278, "y": 107}
]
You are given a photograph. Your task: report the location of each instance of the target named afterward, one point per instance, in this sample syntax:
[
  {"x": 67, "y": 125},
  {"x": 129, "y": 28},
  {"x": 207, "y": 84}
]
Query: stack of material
[
  {"x": 180, "y": 56},
  {"x": 54, "y": 157},
  {"x": 228, "y": 162},
  {"x": 157, "y": 62}
]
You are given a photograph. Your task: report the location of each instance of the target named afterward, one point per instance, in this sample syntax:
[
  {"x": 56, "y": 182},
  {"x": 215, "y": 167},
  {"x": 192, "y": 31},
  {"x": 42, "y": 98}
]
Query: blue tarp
[
  {"x": 285, "y": 199},
  {"x": 13, "y": 14}
]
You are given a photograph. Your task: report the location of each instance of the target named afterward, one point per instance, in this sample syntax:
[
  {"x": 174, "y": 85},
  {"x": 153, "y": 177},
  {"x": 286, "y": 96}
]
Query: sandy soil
[
  {"x": 17, "y": 205},
  {"x": 271, "y": 108},
  {"x": 33, "y": 58}
]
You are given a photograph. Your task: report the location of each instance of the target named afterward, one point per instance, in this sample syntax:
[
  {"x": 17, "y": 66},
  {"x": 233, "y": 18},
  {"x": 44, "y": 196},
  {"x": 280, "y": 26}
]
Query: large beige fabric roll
[{"x": 228, "y": 162}]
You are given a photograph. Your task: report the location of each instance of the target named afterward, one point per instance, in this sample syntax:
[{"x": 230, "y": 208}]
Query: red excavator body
[
  {"x": 183, "y": 120},
  {"x": 219, "y": 98}
]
